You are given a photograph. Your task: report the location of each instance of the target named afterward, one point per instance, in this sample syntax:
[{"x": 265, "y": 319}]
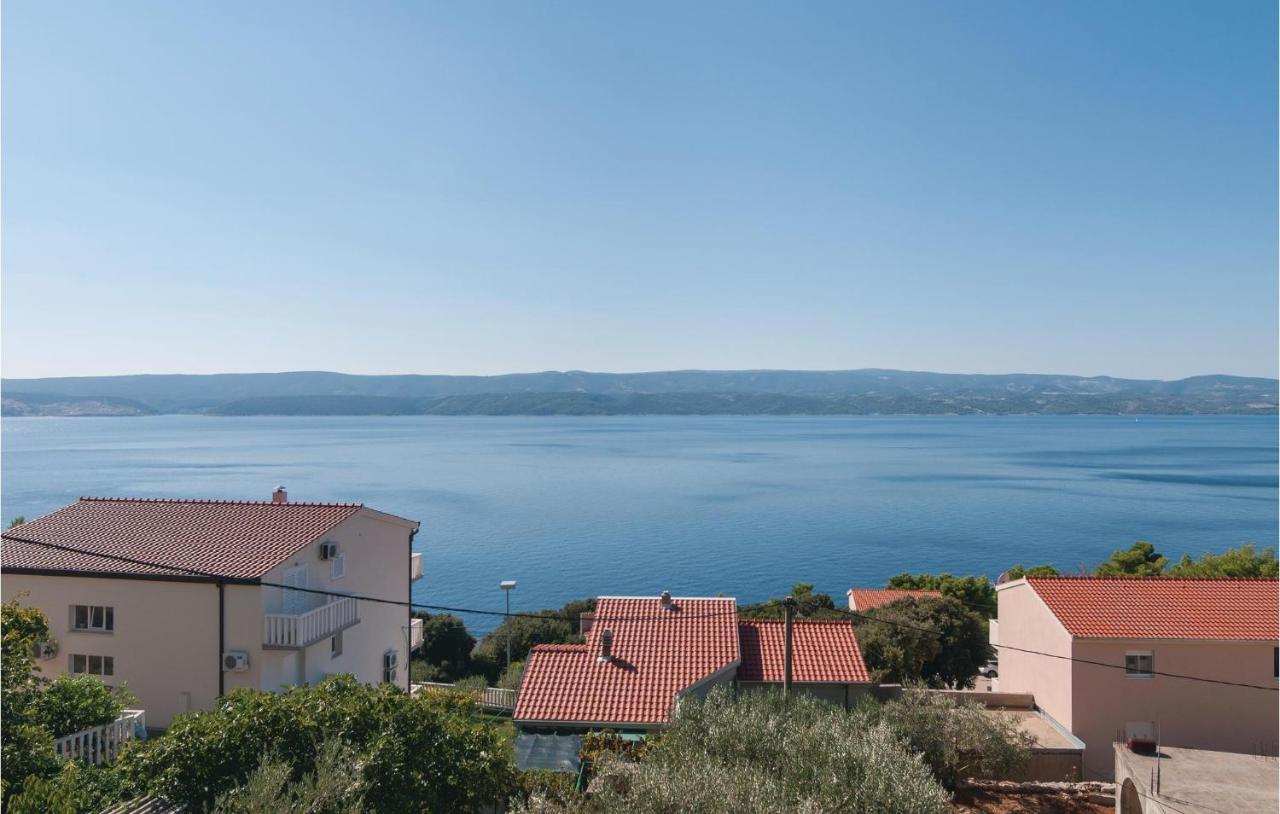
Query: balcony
[
  {"x": 415, "y": 566},
  {"x": 294, "y": 631},
  {"x": 102, "y": 743},
  {"x": 415, "y": 634}
]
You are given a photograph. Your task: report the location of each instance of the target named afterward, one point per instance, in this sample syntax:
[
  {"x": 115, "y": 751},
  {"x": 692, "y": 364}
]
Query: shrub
[
  {"x": 334, "y": 787},
  {"x": 74, "y": 703},
  {"x": 73, "y": 788},
  {"x": 446, "y": 647},
  {"x": 429, "y": 753},
  {"x": 511, "y": 677},
  {"x": 471, "y": 685},
  {"x": 959, "y": 740},
  {"x": 763, "y": 754}
]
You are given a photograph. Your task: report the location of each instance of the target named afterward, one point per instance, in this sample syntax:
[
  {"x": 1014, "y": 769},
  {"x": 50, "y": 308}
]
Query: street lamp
[{"x": 507, "y": 586}]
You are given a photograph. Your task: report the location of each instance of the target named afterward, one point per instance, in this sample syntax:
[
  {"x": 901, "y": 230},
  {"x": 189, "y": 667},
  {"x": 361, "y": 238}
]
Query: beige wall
[
  {"x": 375, "y": 551},
  {"x": 1182, "y": 713},
  {"x": 165, "y": 642},
  {"x": 1026, "y": 623}
]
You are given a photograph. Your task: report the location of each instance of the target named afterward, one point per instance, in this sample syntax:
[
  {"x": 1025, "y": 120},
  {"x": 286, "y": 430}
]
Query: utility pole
[{"x": 789, "y": 606}]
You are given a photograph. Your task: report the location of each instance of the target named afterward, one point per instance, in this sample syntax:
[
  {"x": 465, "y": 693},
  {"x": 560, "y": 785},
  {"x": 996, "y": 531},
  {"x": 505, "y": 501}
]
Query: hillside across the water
[{"x": 684, "y": 392}]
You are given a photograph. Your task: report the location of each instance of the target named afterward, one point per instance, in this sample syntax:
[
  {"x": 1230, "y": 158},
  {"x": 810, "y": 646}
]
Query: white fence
[
  {"x": 494, "y": 698},
  {"x": 101, "y": 744},
  {"x": 302, "y": 629}
]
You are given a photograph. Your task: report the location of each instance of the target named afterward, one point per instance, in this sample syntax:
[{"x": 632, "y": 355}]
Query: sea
[{"x": 571, "y": 507}]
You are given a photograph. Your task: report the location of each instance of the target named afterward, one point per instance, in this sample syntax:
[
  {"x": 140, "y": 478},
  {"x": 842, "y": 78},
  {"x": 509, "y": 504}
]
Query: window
[
  {"x": 1139, "y": 663},
  {"x": 335, "y": 645},
  {"x": 1275, "y": 668},
  {"x": 93, "y": 665},
  {"x": 338, "y": 566},
  {"x": 99, "y": 618}
]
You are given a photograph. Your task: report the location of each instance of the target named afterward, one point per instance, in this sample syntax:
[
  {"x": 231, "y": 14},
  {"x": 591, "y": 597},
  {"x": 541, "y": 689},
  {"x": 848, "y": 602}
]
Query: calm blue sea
[{"x": 744, "y": 506}]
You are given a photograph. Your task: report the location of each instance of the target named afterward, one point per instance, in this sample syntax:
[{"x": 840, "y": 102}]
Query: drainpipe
[
  {"x": 789, "y": 606},
  {"x": 222, "y": 633},
  {"x": 408, "y": 639}
]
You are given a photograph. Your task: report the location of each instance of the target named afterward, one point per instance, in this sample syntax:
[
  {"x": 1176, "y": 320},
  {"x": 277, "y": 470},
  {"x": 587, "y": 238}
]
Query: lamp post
[{"x": 507, "y": 586}]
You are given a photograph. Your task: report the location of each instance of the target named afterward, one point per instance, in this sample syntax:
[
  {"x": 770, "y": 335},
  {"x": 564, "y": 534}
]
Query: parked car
[{"x": 990, "y": 669}]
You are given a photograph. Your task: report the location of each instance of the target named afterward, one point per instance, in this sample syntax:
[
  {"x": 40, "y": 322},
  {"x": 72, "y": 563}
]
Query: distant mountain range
[{"x": 681, "y": 392}]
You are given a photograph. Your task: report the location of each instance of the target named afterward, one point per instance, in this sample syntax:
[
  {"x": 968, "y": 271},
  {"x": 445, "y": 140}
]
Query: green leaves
[
  {"x": 416, "y": 754},
  {"x": 940, "y": 642}
]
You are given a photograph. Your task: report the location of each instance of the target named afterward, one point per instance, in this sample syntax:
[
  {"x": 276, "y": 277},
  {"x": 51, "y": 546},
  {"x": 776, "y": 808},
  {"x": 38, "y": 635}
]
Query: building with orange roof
[
  {"x": 185, "y": 600},
  {"x": 864, "y": 599},
  {"x": 1186, "y": 662},
  {"x": 642, "y": 655}
]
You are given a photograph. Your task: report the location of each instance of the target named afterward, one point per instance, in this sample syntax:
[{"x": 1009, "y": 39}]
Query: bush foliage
[
  {"x": 430, "y": 753},
  {"x": 939, "y": 642}
]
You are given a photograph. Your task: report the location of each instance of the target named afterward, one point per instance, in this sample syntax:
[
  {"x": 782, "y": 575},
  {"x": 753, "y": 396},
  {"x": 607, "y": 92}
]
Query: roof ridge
[
  {"x": 742, "y": 621},
  {"x": 218, "y": 501},
  {"x": 1147, "y": 578}
]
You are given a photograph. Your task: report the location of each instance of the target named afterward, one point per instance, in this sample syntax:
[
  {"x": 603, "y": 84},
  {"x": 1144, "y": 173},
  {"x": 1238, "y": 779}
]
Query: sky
[{"x": 1083, "y": 187}]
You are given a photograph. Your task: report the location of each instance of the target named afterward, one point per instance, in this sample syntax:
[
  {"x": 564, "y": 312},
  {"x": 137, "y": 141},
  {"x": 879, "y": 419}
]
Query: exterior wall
[
  {"x": 1027, "y": 623},
  {"x": 1182, "y": 713},
  {"x": 375, "y": 551},
  {"x": 165, "y": 642},
  {"x": 166, "y": 638}
]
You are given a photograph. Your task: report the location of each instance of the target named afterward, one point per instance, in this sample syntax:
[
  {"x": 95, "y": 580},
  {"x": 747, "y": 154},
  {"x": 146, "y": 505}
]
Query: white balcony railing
[
  {"x": 102, "y": 743},
  {"x": 415, "y": 634},
  {"x": 415, "y": 566},
  {"x": 297, "y": 630}
]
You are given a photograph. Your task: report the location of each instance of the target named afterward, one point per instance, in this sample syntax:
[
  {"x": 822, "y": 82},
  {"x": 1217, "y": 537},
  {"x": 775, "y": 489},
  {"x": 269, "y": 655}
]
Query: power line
[
  {"x": 414, "y": 605},
  {"x": 380, "y": 600}
]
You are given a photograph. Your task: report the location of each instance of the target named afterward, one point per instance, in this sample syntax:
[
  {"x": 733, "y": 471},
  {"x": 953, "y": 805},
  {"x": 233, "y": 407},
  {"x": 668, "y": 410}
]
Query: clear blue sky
[{"x": 1082, "y": 187}]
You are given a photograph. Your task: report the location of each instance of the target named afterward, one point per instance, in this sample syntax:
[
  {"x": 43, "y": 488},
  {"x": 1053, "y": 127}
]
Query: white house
[{"x": 184, "y": 600}]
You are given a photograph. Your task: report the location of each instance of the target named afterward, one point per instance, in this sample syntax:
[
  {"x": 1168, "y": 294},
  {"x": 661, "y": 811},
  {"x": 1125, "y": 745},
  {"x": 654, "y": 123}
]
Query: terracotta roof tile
[
  {"x": 656, "y": 654},
  {"x": 822, "y": 652},
  {"x": 235, "y": 540},
  {"x": 861, "y": 599},
  {"x": 1163, "y": 607}
]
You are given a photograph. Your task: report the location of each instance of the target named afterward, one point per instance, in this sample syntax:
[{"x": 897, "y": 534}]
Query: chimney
[
  {"x": 665, "y": 600},
  {"x": 279, "y": 495},
  {"x": 606, "y": 646}
]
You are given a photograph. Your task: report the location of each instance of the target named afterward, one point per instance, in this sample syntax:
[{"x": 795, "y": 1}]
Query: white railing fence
[
  {"x": 302, "y": 629},
  {"x": 490, "y": 698},
  {"x": 102, "y": 743},
  {"x": 415, "y": 634},
  {"x": 415, "y": 566}
]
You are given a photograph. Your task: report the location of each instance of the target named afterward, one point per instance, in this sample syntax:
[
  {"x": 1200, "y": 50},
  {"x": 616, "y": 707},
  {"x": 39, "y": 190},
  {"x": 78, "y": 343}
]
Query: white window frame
[
  {"x": 338, "y": 566},
  {"x": 1151, "y": 664},
  {"x": 106, "y": 665},
  {"x": 108, "y": 614}
]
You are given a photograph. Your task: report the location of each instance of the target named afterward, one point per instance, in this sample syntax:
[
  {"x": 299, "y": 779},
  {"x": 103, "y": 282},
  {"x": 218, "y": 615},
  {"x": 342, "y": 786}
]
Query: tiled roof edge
[
  {"x": 1065, "y": 578},
  {"x": 202, "y": 501}
]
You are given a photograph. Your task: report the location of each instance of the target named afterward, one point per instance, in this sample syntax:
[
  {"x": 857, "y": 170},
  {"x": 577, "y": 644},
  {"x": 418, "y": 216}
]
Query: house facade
[
  {"x": 186, "y": 600},
  {"x": 643, "y": 655},
  {"x": 1103, "y": 657}
]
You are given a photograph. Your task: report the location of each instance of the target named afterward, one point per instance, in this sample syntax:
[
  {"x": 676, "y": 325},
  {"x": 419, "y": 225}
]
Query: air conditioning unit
[
  {"x": 390, "y": 659},
  {"x": 328, "y": 550},
  {"x": 46, "y": 650},
  {"x": 235, "y": 661}
]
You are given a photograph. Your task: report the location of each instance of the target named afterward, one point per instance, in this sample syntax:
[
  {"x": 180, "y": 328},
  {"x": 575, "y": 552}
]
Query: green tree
[
  {"x": 1245, "y": 561},
  {"x": 446, "y": 647},
  {"x": 1140, "y": 560},
  {"x": 26, "y": 749},
  {"x": 74, "y": 703},
  {"x": 1019, "y": 571},
  {"x": 934, "y": 640},
  {"x": 809, "y": 605},
  {"x": 976, "y": 592},
  {"x": 511, "y": 677},
  {"x": 333, "y": 787},
  {"x": 959, "y": 740},
  {"x": 426, "y": 753},
  {"x": 17, "y": 521},
  {"x": 526, "y": 630},
  {"x": 761, "y": 754},
  {"x": 72, "y": 788}
]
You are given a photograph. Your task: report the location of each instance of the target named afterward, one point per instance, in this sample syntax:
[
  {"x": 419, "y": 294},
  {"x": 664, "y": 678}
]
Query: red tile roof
[
  {"x": 230, "y": 539},
  {"x": 862, "y": 599},
  {"x": 822, "y": 652},
  {"x": 656, "y": 654},
  {"x": 1163, "y": 607}
]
